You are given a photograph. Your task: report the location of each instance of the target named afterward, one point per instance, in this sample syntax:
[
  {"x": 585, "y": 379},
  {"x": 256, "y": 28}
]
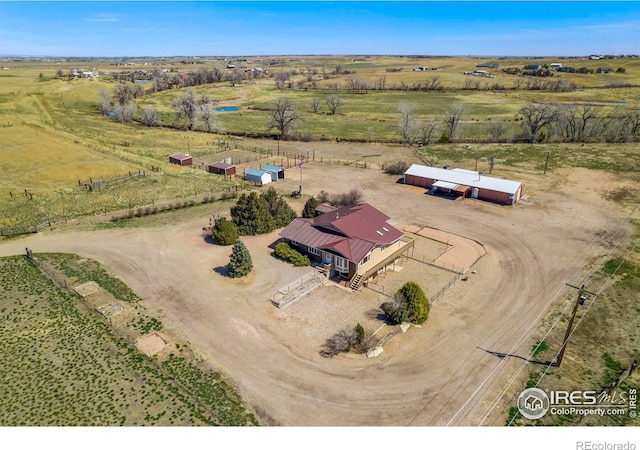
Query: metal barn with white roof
[{"x": 465, "y": 183}]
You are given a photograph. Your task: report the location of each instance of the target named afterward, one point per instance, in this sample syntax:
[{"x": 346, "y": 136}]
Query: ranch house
[{"x": 355, "y": 243}]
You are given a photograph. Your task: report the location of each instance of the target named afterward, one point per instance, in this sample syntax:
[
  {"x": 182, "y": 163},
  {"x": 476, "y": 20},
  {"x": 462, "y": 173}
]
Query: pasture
[
  {"x": 64, "y": 366},
  {"x": 53, "y": 134}
]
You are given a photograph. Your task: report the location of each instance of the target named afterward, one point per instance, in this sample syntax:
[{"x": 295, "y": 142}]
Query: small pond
[{"x": 227, "y": 108}]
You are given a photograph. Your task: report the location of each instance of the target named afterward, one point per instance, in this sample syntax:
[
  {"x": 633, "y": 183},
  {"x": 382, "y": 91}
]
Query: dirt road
[{"x": 435, "y": 375}]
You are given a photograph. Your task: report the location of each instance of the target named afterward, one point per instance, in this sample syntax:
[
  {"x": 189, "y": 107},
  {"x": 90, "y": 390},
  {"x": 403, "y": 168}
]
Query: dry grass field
[{"x": 579, "y": 217}]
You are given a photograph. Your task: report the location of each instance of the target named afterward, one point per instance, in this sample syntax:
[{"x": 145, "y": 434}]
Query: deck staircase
[{"x": 356, "y": 281}]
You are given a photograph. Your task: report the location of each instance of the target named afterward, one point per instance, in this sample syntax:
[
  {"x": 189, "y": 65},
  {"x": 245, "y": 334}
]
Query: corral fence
[
  {"x": 49, "y": 271},
  {"x": 31, "y": 229},
  {"x": 93, "y": 185}
]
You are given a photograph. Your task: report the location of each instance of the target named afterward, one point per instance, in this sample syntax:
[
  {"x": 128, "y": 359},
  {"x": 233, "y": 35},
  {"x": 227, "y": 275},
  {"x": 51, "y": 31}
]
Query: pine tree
[
  {"x": 240, "y": 263},
  {"x": 251, "y": 215},
  {"x": 309, "y": 210},
  {"x": 278, "y": 207}
]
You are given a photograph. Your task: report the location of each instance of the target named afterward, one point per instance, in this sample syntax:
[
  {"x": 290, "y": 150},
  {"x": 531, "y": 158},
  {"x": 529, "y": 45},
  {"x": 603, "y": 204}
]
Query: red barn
[
  {"x": 222, "y": 168},
  {"x": 181, "y": 159}
]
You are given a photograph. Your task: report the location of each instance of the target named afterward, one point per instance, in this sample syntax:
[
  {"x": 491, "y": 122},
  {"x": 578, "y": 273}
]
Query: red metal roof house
[{"x": 356, "y": 242}]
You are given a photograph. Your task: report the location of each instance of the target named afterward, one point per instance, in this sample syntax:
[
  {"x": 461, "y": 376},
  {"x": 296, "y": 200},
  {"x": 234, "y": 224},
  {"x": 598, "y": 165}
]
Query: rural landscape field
[{"x": 90, "y": 200}]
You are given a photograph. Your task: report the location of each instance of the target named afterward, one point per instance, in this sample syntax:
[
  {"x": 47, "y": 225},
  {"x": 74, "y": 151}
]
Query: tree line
[{"x": 540, "y": 122}]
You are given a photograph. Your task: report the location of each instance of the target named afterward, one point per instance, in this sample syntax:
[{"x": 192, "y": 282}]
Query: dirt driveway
[{"x": 434, "y": 375}]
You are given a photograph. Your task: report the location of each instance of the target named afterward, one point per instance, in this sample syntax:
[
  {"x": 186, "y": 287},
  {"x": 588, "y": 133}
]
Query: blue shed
[{"x": 275, "y": 171}]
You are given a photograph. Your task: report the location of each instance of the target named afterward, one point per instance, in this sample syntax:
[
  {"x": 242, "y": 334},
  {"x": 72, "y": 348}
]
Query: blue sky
[{"x": 169, "y": 28}]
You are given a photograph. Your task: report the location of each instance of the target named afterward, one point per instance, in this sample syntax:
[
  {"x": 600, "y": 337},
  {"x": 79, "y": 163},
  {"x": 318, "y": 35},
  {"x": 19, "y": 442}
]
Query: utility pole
[{"x": 579, "y": 301}]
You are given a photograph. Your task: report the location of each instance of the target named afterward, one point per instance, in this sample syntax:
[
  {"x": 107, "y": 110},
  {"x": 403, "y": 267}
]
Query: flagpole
[{"x": 301, "y": 178}]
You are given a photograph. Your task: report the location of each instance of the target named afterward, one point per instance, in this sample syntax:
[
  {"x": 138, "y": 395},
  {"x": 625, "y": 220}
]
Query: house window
[
  {"x": 313, "y": 251},
  {"x": 383, "y": 248},
  {"x": 294, "y": 243},
  {"x": 341, "y": 264},
  {"x": 365, "y": 260}
]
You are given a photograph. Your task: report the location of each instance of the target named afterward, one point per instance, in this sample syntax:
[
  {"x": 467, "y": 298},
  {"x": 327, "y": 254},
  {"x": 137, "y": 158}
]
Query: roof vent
[
  {"x": 379, "y": 232},
  {"x": 385, "y": 229}
]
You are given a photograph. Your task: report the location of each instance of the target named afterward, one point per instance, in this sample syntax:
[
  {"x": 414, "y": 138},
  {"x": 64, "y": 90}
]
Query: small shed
[
  {"x": 275, "y": 171},
  {"x": 257, "y": 176},
  {"x": 222, "y": 168},
  {"x": 181, "y": 159}
]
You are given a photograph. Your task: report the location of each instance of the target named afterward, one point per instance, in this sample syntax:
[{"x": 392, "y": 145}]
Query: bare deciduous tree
[
  {"x": 104, "y": 102},
  {"x": 281, "y": 78},
  {"x": 315, "y": 104},
  {"x": 427, "y": 130},
  {"x": 186, "y": 106},
  {"x": 537, "y": 116},
  {"x": 124, "y": 113},
  {"x": 407, "y": 124},
  {"x": 150, "y": 117},
  {"x": 451, "y": 119},
  {"x": 235, "y": 77},
  {"x": 333, "y": 103},
  {"x": 283, "y": 116},
  {"x": 496, "y": 129},
  {"x": 434, "y": 84}
]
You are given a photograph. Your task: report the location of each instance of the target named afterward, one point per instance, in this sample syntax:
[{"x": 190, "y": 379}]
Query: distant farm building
[
  {"x": 555, "y": 65},
  {"x": 464, "y": 183},
  {"x": 487, "y": 66},
  {"x": 181, "y": 159},
  {"x": 258, "y": 176},
  {"x": 222, "y": 168},
  {"x": 533, "y": 67},
  {"x": 275, "y": 171}
]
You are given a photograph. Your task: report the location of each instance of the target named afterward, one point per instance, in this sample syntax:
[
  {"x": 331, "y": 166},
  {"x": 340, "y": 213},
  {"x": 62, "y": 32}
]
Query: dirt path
[{"x": 435, "y": 375}]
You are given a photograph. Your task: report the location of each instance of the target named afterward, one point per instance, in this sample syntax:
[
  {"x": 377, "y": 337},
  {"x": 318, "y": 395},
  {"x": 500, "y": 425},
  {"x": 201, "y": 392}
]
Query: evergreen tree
[
  {"x": 251, "y": 215},
  {"x": 225, "y": 232},
  {"x": 410, "y": 305},
  {"x": 278, "y": 207},
  {"x": 240, "y": 263},
  {"x": 309, "y": 210}
]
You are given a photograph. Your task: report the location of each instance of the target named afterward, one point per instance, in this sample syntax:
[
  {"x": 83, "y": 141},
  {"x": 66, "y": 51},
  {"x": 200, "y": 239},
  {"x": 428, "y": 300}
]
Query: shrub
[
  {"x": 353, "y": 197},
  {"x": 285, "y": 252},
  {"x": 397, "y": 168},
  {"x": 225, "y": 232},
  {"x": 410, "y": 305}
]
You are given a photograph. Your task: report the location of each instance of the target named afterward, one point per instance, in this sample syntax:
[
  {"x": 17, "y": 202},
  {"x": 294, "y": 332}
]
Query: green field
[{"x": 63, "y": 365}]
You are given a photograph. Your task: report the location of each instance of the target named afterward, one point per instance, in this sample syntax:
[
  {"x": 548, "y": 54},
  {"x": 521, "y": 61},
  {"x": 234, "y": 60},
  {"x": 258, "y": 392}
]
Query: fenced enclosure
[{"x": 300, "y": 287}]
